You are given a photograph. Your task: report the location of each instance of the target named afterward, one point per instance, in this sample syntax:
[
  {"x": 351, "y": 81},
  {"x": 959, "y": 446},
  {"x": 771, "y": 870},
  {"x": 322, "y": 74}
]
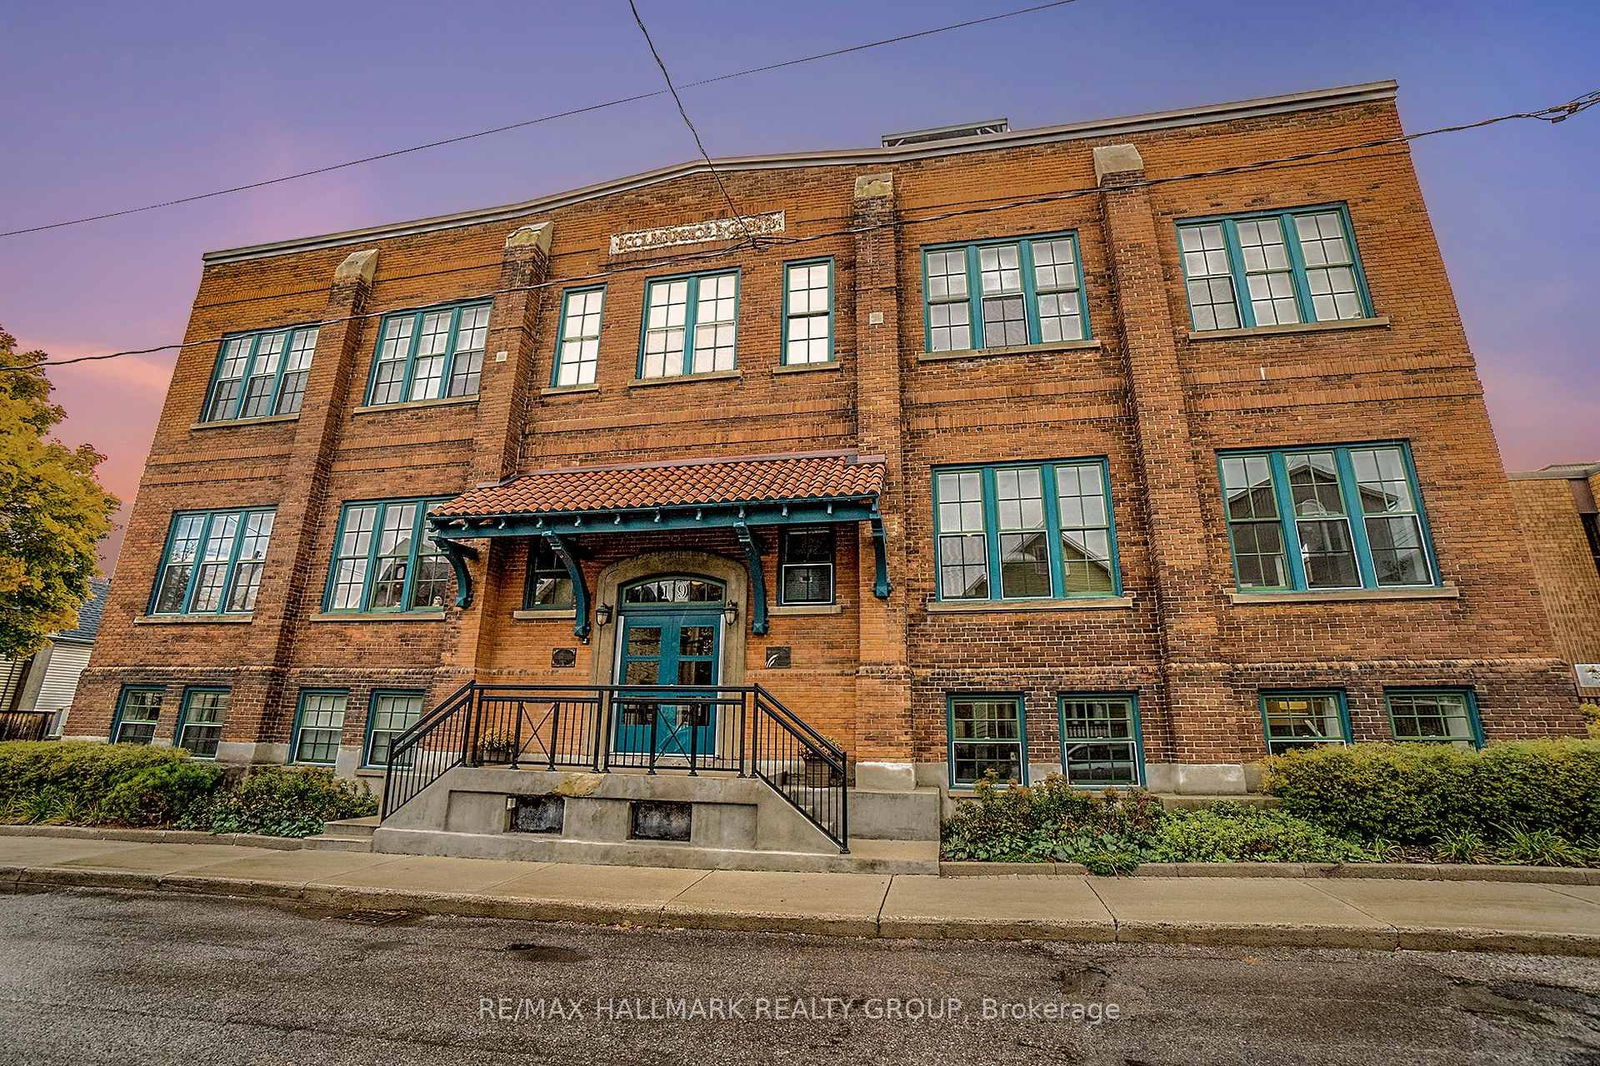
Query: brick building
[
  {"x": 1560, "y": 524},
  {"x": 956, "y": 447}
]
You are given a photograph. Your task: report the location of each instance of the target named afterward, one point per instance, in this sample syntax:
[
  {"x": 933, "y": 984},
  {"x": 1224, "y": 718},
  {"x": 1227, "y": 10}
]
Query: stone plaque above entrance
[{"x": 715, "y": 229}]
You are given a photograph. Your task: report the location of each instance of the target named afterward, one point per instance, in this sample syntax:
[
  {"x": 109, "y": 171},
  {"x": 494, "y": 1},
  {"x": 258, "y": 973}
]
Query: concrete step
[
  {"x": 347, "y": 834},
  {"x": 882, "y": 814}
]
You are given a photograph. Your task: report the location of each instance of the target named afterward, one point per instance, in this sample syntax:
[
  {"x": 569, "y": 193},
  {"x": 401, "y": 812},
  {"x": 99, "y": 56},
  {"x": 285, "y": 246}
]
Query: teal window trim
[
  {"x": 950, "y": 701},
  {"x": 1132, "y": 699},
  {"x": 557, "y": 362},
  {"x": 420, "y": 531},
  {"x": 277, "y": 401},
  {"x": 372, "y": 711},
  {"x": 190, "y": 691},
  {"x": 1030, "y": 292},
  {"x": 784, "y": 563},
  {"x": 122, "y": 703},
  {"x": 1337, "y": 694},
  {"x": 1469, "y": 697},
  {"x": 1049, "y": 486},
  {"x": 826, "y": 261},
  {"x": 299, "y": 720},
  {"x": 198, "y": 562},
  {"x": 550, "y": 568},
  {"x": 447, "y": 371},
  {"x": 1354, "y": 515},
  {"x": 1297, "y": 265},
  {"x": 690, "y": 316}
]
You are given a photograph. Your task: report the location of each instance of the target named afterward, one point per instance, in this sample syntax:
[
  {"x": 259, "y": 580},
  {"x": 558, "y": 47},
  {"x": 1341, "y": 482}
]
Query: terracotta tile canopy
[{"x": 766, "y": 479}]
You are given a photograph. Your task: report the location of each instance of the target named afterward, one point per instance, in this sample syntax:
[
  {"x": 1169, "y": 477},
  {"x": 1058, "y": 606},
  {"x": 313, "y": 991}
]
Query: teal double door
[{"x": 668, "y": 645}]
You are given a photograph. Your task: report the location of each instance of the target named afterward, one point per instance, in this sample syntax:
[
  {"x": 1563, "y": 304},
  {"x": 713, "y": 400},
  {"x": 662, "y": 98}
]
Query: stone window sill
[
  {"x": 1298, "y": 327},
  {"x": 372, "y": 771},
  {"x": 193, "y": 619},
  {"x": 791, "y": 610},
  {"x": 261, "y": 420},
  {"x": 1442, "y": 592},
  {"x": 801, "y": 368},
  {"x": 1015, "y": 349},
  {"x": 411, "y": 405},
  {"x": 682, "y": 379},
  {"x": 570, "y": 390},
  {"x": 1006, "y": 606},
  {"x": 378, "y": 616},
  {"x": 545, "y": 616}
]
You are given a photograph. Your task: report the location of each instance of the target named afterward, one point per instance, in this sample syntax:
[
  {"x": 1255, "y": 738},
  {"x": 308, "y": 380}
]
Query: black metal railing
[
  {"x": 740, "y": 729},
  {"x": 25, "y": 725}
]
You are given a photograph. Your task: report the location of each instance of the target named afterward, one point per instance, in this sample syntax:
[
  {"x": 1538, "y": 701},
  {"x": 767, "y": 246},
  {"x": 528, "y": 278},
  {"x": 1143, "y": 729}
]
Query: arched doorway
[{"x": 669, "y": 633}]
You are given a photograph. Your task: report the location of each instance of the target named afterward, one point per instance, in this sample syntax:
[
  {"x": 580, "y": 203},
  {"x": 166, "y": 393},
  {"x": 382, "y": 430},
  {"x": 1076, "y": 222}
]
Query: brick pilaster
[
  {"x": 506, "y": 389},
  {"x": 884, "y": 730},
  {"x": 1195, "y": 697},
  {"x": 293, "y": 566}
]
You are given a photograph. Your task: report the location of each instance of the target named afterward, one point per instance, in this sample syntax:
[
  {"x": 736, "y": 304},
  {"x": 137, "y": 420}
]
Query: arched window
[{"x": 673, "y": 590}]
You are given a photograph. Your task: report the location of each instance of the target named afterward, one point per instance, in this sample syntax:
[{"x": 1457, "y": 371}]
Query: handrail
[{"x": 742, "y": 729}]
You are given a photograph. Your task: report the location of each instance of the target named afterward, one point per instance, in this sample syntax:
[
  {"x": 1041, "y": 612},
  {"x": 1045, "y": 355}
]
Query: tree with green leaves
[{"x": 52, "y": 510}]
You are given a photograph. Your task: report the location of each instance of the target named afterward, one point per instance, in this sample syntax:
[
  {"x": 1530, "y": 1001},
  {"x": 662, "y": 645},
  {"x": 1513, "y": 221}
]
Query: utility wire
[
  {"x": 738, "y": 215},
  {"x": 1553, "y": 114},
  {"x": 523, "y": 124}
]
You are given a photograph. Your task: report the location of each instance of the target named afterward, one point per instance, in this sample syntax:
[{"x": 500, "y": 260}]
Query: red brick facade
[
  {"x": 1552, "y": 507},
  {"x": 1157, "y": 401}
]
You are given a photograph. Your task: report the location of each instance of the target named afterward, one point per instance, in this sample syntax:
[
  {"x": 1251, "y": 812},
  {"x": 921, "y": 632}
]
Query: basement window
[
  {"x": 538, "y": 814},
  {"x": 659, "y": 820}
]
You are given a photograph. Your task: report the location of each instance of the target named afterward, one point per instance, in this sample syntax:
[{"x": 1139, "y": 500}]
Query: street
[{"x": 105, "y": 977}]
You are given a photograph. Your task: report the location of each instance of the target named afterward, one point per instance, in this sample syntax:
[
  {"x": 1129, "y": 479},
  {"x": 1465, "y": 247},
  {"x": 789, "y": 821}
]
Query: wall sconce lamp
[
  {"x": 602, "y": 615},
  {"x": 730, "y": 613}
]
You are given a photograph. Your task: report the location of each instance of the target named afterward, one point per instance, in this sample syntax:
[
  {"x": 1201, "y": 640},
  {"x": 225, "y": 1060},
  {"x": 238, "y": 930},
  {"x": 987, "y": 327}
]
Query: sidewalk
[{"x": 1288, "y": 912}]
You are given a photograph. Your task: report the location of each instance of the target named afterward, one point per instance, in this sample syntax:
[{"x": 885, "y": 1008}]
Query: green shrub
[
  {"x": 1591, "y": 719},
  {"x": 1232, "y": 832},
  {"x": 286, "y": 801},
  {"x": 95, "y": 784},
  {"x": 1416, "y": 793},
  {"x": 1047, "y": 822}
]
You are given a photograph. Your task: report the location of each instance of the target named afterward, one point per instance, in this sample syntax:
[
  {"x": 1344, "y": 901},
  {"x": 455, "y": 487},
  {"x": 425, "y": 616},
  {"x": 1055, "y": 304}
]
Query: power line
[
  {"x": 523, "y": 124},
  {"x": 738, "y": 215},
  {"x": 1553, "y": 114}
]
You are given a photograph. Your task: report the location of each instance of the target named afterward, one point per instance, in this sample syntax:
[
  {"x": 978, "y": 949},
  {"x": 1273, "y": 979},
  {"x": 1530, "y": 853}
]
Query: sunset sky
[{"x": 111, "y": 106}]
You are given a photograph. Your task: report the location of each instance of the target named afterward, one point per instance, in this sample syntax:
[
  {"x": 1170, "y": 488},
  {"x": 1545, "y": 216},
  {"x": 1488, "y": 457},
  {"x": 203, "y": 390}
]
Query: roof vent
[{"x": 947, "y": 133}]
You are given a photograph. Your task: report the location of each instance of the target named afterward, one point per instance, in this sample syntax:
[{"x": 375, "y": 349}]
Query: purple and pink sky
[{"x": 114, "y": 105}]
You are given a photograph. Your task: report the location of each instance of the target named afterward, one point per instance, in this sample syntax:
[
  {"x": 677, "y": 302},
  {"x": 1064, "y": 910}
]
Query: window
[
  {"x": 1100, "y": 740},
  {"x": 808, "y": 312},
  {"x": 549, "y": 586},
  {"x": 986, "y": 737},
  {"x": 805, "y": 565},
  {"x": 578, "y": 350},
  {"x": 1440, "y": 716},
  {"x": 392, "y": 714},
  {"x": 318, "y": 727},
  {"x": 137, "y": 710},
  {"x": 1304, "y": 720},
  {"x": 200, "y": 720},
  {"x": 212, "y": 563},
  {"x": 1292, "y": 266},
  {"x": 384, "y": 559},
  {"x": 430, "y": 354},
  {"x": 260, "y": 374},
  {"x": 1326, "y": 518},
  {"x": 1004, "y": 293},
  {"x": 1025, "y": 531},
  {"x": 689, "y": 325}
]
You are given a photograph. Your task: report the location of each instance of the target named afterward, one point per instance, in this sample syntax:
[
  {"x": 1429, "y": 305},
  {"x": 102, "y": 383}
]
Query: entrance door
[{"x": 668, "y": 638}]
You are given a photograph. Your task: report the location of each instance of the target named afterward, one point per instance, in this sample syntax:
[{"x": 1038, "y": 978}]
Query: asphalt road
[{"x": 103, "y": 977}]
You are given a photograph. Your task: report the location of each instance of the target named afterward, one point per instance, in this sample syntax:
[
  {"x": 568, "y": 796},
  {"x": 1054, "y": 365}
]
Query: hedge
[
  {"x": 51, "y": 782},
  {"x": 1417, "y": 793}
]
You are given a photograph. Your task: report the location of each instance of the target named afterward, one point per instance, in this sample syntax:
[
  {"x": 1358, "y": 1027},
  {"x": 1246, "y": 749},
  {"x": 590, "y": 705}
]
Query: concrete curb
[
  {"x": 1536, "y": 875},
  {"x": 153, "y": 836},
  {"x": 1382, "y": 937}
]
